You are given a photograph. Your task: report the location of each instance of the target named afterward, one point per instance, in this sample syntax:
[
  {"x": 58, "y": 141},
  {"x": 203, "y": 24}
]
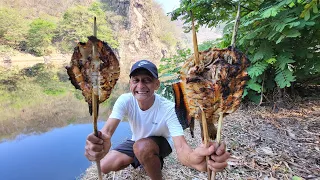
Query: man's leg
[
  {"x": 148, "y": 152},
  {"x": 115, "y": 161}
]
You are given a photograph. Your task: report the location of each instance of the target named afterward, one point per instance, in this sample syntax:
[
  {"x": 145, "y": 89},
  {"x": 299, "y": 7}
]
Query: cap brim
[{"x": 153, "y": 74}]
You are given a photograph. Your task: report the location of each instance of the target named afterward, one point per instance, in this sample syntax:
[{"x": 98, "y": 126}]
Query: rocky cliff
[
  {"x": 146, "y": 32},
  {"x": 140, "y": 26}
]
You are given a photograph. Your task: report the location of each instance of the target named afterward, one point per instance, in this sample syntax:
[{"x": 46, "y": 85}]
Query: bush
[{"x": 40, "y": 36}]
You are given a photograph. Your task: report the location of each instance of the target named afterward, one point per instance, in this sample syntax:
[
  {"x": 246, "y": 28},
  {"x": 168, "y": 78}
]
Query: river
[{"x": 55, "y": 155}]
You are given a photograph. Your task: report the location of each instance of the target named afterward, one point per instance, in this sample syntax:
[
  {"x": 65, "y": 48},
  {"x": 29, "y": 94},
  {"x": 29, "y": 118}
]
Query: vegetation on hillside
[
  {"x": 47, "y": 34},
  {"x": 281, "y": 39}
]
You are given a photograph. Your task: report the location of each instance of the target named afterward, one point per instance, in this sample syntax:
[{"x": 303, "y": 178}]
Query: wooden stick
[
  {"x": 205, "y": 138},
  {"x": 195, "y": 42},
  {"x": 233, "y": 45},
  {"x": 236, "y": 27},
  {"x": 95, "y": 89},
  {"x": 218, "y": 139}
]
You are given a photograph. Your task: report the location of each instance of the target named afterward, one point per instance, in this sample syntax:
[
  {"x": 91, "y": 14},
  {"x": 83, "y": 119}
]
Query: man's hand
[
  {"x": 97, "y": 147},
  {"x": 218, "y": 157}
]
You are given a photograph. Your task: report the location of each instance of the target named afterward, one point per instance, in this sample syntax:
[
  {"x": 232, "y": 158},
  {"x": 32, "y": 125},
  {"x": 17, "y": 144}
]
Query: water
[{"x": 54, "y": 155}]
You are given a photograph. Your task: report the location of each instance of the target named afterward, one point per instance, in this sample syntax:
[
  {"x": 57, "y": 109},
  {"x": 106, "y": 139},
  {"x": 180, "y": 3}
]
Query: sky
[
  {"x": 204, "y": 34},
  {"x": 169, "y": 5}
]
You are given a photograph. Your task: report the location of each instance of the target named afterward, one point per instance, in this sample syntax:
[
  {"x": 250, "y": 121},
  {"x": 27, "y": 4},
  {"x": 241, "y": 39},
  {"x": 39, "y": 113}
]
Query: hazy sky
[{"x": 169, "y": 5}]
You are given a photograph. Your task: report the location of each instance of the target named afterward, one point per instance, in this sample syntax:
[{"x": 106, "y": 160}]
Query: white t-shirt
[{"x": 159, "y": 120}]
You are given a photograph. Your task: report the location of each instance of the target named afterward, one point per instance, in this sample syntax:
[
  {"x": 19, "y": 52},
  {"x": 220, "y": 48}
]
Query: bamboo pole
[
  {"x": 205, "y": 137},
  {"x": 95, "y": 88},
  {"x": 236, "y": 27},
  {"x": 195, "y": 41},
  {"x": 233, "y": 45},
  {"x": 218, "y": 139},
  {"x": 203, "y": 118}
]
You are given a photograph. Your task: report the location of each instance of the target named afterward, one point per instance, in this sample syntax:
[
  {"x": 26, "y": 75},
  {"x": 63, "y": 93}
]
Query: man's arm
[
  {"x": 110, "y": 126},
  {"x": 197, "y": 158},
  {"x": 97, "y": 147}
]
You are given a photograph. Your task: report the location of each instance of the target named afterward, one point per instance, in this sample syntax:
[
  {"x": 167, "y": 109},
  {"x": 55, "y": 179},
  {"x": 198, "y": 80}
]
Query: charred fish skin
[
  {"x": 215, "y": 85},
  {"x": 79, "y": 69}
]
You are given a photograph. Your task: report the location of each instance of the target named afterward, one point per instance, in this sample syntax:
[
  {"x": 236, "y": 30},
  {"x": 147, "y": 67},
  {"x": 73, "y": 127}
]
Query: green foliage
[
  {"x": 13, "y": 26},
  {"x": 278, "y": 31},
  {"x": 169, "y": 39},
  {"x": 40, "y": 36},
  {"x": 77, "y": 25},
  {"x": 46, "y": 34},
  {"x": 208, "y": 44},
  {"x": 169, "y": 72},
  {"x": 281, "y": 38},
  {"x": 166, "y": 31},
  {"x": 257, "y": 69},
  {"x": 284, "y": 78},
  {"x": 209, "y": 13}
]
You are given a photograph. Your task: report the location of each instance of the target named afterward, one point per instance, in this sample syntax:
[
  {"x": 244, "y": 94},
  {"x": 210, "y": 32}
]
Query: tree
[
  {"x": 77, "y": 25},
  {"x": 13, "y": 26},
  {"x": 40, "y": 36},
  {"x": 280, "y": 37}
]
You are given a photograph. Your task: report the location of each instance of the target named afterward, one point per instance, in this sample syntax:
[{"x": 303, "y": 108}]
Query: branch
[{"x": 235, "y": 28}]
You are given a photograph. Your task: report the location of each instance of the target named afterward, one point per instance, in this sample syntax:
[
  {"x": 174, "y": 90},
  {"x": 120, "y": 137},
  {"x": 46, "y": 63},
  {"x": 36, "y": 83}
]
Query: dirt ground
[{"x": 264, "y": 145}]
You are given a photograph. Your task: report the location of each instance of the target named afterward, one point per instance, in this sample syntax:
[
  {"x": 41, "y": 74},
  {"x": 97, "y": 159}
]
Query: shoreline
[{"x": 263, "y": 145}]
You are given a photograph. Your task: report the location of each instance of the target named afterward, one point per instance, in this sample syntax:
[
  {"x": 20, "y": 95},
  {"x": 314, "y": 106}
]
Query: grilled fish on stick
[
  {"x": 215, "y": 85},
  {"x": 79, "y": 69}
]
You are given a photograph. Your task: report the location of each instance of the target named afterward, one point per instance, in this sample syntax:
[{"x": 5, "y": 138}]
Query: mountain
[{"x": 141, "y": 27}]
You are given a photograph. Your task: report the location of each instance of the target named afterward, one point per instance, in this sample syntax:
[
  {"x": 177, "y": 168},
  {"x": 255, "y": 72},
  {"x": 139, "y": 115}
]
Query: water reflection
[{"x": 56, "y": 155}]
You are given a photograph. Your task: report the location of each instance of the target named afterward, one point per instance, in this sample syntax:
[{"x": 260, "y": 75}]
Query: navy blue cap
[{"x": 145, "y": 64}]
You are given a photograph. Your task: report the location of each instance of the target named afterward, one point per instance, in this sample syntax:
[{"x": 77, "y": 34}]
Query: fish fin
[{"x": 180, "y": 106}]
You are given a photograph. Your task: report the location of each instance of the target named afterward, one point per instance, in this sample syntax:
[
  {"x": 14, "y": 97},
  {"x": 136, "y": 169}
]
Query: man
[{"x": 155, "y": 131}]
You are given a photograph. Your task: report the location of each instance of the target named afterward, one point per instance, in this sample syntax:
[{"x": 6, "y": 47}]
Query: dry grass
[{"x": 264, "y": 145}]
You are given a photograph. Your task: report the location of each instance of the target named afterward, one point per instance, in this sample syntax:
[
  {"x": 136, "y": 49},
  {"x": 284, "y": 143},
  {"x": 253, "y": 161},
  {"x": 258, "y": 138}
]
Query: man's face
[{"x": 143, "y": 85}]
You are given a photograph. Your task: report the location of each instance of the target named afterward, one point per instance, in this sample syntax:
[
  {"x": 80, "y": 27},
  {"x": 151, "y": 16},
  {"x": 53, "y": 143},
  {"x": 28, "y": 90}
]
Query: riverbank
[{"x": 264, "y": 145}]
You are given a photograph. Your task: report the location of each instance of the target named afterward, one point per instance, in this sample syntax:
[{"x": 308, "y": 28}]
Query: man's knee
[
  {"x": 145, "y": 149},
  {"x": 115, "y": 162}
]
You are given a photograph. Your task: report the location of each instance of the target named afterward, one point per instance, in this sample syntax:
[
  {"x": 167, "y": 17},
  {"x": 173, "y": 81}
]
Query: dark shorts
[{"x": 127, "y": 148}]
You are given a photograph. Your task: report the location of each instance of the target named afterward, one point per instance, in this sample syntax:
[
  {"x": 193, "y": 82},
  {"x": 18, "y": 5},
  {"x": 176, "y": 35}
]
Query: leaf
[
  {"x": 271, "y": 60},
  {"x": 257, "y": 69},
  {"x": 245, "y": 93},
  {"x": 284, "y": 78},
  {"x": 282, "y": 61},
  {"x": 251, "y": 35},
  {"x": 297, "y": 178},
  {"x": 307, "y": 15},
  {"x": 294, "y": 24},
  {"x": 287, "y": 20},
  {"x": 265, "y": 51},
  {"x": 292, "y": 33},
  {"x": 257, "y": 56},
  {"x": 269, "y": 12},
  {"x": 309, "y": 55},
  {"x": 315, "y": 9},
  {"x": 272, "y": 34},
  {"x": 254, "y": 86},
  {"x": 280, "y": 39},
  {"x": 280, "y": 27},
  {"x": 291, "y": 4},
  {"x": 311, "y": 23}
]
